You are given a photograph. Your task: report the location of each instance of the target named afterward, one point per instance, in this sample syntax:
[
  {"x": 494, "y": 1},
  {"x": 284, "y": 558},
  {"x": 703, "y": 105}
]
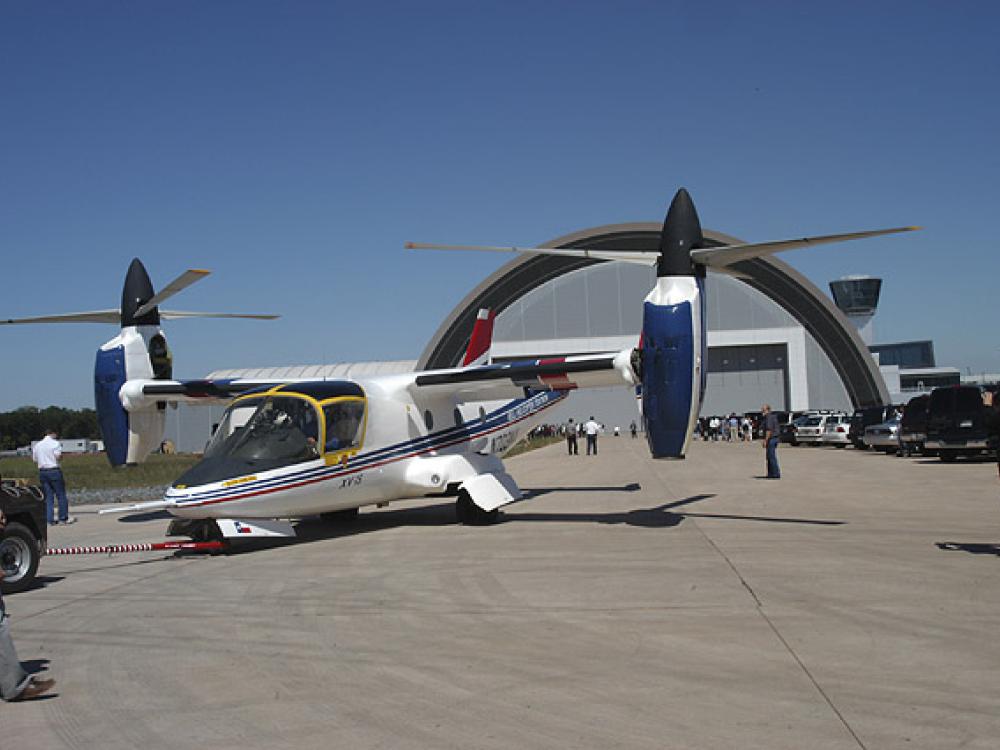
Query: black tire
[
  {"x": 947, "y": 456},
  {"x": 348, "y": 515},
  {"x": 470, "y": 514},
  {"x": 20, "y": 554}
]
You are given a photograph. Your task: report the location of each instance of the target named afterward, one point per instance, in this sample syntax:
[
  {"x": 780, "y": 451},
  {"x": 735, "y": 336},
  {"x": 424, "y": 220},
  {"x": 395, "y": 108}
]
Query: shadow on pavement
[
  {"x": 658, "y": 517},
  {"x": 539, "y": 491},
  {"x": 971, "y": 548},
  {"x": 155, "y": 515}
]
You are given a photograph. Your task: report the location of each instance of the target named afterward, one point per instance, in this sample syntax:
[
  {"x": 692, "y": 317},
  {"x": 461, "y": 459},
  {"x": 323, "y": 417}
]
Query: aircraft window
[
  {"x": 343, "y": 424},
  {"x": 279, "y": 429}
]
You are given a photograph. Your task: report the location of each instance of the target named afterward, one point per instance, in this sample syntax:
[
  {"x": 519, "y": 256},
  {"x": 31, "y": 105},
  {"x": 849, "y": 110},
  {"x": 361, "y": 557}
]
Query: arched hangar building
[{"x": 773, "y": 336}]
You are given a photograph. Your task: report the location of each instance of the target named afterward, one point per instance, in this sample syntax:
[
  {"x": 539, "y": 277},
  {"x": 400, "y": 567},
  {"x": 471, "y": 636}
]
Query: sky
[{"x": 292, "y": 148}]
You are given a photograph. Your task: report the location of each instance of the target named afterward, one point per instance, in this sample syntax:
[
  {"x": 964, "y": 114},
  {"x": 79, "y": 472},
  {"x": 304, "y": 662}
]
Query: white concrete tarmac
[{"x": 629, "y": 603}]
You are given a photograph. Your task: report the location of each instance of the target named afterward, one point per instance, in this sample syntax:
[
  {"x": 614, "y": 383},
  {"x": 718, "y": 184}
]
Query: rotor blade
[
  {"x": 183, "y": 281},
  {"x": 723, "y": 256},
  {"x": 627, "y": 256},
  {"x": 177, "y": 314},
  {"x": 94, "y": 316}
]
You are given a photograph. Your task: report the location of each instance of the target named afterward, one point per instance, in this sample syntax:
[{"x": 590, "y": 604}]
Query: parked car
[
  {"x": 809, "y": 429},
  {"x": 23, "y": 542},
  {"x": 883, "y": 436},
  {"x": 836, "y": 430},
  {"x": 956, "y": 422},
  {"x": 788, "y": 429},
  {"x": 913, "y": 427},
  {"x": 864, "y": 418}
]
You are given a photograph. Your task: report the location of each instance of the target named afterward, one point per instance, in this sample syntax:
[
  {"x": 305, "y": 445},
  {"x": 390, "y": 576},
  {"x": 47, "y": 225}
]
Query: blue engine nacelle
[
  {"x": 673, "y": 340},
  {"x": 109, "y": 377},
  {"x": 138, "y": 352}
]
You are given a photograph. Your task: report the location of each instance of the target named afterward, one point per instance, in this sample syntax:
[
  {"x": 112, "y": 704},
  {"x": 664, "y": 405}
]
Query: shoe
[
  {"x": 68, "y": 520},
  {"x": 36, "y": 688}
]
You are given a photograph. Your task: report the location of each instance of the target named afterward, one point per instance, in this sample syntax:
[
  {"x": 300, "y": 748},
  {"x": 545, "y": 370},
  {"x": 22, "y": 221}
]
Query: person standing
[
  {"x": 771, "y": 442},
  {"x": 591, "y": 428},
  {"x": 633, "y": 429},
  {"x": 571, "y": 438},
  {"x": 992, "y": 403},
  {"x": 46, "y": 454},
  {"x": 15, "y": 683}
]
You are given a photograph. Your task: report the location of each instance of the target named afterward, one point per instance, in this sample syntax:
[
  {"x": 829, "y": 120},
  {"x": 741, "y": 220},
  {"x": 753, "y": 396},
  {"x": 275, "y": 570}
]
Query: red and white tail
[{"x": 478, "y": 352}]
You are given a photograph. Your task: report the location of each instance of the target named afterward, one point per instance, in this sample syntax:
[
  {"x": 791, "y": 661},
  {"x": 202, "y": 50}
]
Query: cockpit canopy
[{"x": 279, "y": 428}]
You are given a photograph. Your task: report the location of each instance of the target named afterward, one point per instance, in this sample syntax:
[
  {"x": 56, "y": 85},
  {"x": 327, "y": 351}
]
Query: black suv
[
  {"x": 913, "y": 426},
  {"x": 957, "y": 422},
  {"x": 24, "y": 540}
]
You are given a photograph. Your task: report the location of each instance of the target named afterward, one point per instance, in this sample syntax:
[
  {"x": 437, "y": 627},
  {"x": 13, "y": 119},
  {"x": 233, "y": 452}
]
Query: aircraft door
[{"x": 345, "y": 420}]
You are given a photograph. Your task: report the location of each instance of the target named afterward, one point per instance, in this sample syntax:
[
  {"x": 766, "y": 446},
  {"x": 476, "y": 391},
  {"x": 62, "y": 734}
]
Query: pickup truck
[{"x": 23, "y": 542}]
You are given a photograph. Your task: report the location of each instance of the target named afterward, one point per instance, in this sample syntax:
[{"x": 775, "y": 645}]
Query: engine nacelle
[
  {"x": 138, "y": 352},
  {"x": 673, "y": 340}
]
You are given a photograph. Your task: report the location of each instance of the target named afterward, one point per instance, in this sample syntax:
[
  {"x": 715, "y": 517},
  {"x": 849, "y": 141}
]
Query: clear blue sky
[{"x": 292, "y": 148}]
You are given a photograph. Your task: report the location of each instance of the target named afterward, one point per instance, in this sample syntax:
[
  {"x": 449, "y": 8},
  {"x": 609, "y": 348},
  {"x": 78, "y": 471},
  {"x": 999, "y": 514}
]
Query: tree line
[{"x": 22, "y": 426}]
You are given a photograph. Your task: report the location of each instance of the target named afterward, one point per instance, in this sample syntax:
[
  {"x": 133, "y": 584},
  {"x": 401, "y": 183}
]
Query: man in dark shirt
[
  {"x": 15, "y": 683},
  {"x": 771, "y": 442}
]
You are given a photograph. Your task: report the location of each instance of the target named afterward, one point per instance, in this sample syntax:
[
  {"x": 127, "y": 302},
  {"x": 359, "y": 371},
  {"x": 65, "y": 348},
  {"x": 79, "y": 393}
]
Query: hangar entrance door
[{"x": 742, "y": 378}]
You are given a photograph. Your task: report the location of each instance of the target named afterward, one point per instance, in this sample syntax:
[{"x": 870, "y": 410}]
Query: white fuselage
[{"x": 410, "y": 448}]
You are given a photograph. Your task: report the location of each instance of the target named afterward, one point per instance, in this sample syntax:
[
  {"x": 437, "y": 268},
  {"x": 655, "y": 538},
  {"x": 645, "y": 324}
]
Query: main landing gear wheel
[
  {"x": 471, "y": 514},
  {"x": 19, "y": 556},
  {"x": 349, "y": 515}
]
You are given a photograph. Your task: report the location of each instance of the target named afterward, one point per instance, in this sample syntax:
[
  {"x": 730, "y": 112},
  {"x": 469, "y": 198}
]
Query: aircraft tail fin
[{"x": 478, "y": 351}]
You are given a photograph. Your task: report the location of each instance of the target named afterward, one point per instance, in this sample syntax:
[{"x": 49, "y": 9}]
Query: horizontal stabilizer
[{"x": 717, "y": 257}]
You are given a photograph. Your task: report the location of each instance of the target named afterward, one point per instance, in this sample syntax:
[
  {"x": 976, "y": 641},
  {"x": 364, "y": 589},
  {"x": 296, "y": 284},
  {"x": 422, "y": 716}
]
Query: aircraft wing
[
  {"x": 556, "y": 373},
  {"x": 143, "y": 393}
]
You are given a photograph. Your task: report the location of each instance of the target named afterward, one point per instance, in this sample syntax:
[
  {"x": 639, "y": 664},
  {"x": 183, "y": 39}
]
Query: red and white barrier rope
[{"x": 113, "y": 549}]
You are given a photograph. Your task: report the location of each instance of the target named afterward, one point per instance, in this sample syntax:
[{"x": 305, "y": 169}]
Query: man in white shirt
[
  {"x": 46, "y": 454},
  {"x": 591, "y": 428}
]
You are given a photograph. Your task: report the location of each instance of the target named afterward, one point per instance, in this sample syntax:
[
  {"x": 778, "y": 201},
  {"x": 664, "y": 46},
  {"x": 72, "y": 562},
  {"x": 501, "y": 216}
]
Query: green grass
[
  {"x": 93, "y": 472},
  {"x": 530, "y": 444}
]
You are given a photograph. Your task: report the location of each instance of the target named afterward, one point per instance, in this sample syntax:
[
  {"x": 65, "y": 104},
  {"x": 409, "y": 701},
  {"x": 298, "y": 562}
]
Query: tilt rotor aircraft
[{"x": 285, "y": 450}]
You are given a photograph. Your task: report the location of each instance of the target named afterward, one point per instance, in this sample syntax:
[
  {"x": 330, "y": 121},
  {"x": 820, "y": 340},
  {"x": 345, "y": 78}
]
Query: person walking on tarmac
[
  {"x": 771, "y": 442},
  {"x": 571, "y": 438},
  {"x": 592, "y": 428},
  {"x": 46, "y": 453},
  {"x": 15, "y": 683}
]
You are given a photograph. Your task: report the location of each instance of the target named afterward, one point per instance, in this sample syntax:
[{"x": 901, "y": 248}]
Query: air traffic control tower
[{"x": 857, "y": 298}]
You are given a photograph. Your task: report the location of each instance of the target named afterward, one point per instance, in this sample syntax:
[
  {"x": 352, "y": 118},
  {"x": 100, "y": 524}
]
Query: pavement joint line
[
  {"x": 760, "y": 610},
  {"x": 74, "y": 600}
]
